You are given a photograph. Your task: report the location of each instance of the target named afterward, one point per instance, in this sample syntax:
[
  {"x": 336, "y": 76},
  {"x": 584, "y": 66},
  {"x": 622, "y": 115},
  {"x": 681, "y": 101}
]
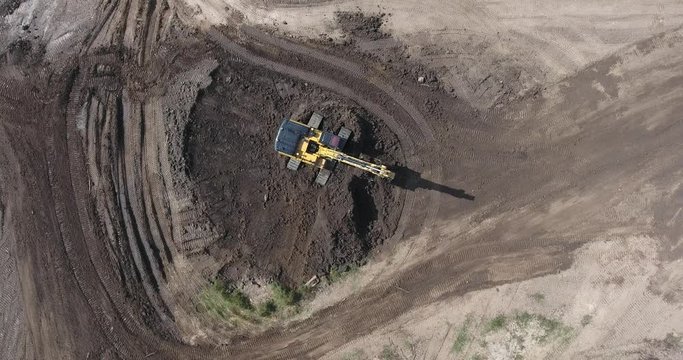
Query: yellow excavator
[{"x": 309, "y": 145}]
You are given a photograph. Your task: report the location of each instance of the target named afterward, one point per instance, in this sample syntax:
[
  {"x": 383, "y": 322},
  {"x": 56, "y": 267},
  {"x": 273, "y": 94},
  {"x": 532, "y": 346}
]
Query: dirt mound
[
  {"x": 362, "y": 26},
  {"x": 8, "y": 6},
  {"x": 276, "y": 222},
  {"x": 24, "y": 52}
]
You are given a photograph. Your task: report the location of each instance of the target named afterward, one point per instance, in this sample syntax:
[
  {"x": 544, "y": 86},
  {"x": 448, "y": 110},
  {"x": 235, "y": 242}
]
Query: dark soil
[
  {"x": 276, "y": 222},
  {"x": 362, "y": 26},
  {"x": 24, "y": 53},
  {"x": 90, "y": 210},
  {"x": 9, "y": 6}
]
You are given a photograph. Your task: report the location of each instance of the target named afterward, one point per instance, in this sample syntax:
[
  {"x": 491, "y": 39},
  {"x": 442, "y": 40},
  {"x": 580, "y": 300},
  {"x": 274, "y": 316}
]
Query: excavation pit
[{"x": 276, "y": 223}]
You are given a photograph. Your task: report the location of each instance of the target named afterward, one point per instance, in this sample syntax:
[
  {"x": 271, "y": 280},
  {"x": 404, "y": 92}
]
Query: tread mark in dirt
[
  {"x": 408, "y": 141},
  {"x": 425, "y": 135}
]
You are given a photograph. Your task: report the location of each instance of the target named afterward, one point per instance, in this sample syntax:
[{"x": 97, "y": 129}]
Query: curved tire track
[
  {"x": 425, "y": 136},
  {"x": 412, "y": 130},
  {"x": 410, "y": 126}
]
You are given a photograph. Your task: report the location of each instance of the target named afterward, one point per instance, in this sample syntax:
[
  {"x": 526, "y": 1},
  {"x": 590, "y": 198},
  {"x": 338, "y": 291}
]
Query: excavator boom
[{"x": 375, "y": 169}]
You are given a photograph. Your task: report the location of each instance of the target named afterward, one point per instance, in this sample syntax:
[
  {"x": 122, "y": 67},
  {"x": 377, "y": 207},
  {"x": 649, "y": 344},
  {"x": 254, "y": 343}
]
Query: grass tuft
[
  {"x": 284, "y": 296},
  {"x": 495, "y": 324},
  {"x": 357, "y": 354},
  {"x": 228, "y": 303},
  {"x": 339, "y": 273},
  {"x": 672, "y": 341},
  {"x": 267, "y": 308},
  {"x": 523, "y": 319},
  {"x": 552, "y": 328},
  {"x": 539, "y": 297},
  {"x": 225, "y": 302},
  {"x": 389, "y": 352},
  {"x": 461, "y": 338}
]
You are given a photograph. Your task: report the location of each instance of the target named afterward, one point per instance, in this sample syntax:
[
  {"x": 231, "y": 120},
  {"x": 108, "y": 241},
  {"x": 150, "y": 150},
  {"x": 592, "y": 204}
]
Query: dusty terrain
[
  {"x": 536, "y": 211},
  {"x": 263, "y": 209}
]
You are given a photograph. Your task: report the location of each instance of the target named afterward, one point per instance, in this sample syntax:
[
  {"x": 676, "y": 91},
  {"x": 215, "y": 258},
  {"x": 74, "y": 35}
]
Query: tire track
[
  {"x": 466, "y": 264},
  {"x": 409, "y": 139},
  {"x": 347, "y": 322},
  {"x": 415, "y": 143}
]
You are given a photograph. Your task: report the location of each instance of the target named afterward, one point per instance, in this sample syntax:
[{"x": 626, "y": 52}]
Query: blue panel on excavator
[
  {"x": 288, "y": 136},
  {"x": 332, "y": 140}
]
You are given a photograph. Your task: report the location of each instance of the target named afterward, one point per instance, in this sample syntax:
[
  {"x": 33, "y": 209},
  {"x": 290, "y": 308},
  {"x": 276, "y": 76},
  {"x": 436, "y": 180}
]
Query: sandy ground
[
  {"x": 486, "y": 51},
  {"x": 605, "y": 297},
  {"x": 546, "y": 181}
]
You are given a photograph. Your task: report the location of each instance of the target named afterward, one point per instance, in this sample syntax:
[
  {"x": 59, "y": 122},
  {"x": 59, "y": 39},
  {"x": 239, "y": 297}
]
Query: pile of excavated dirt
[
  {"x": 8, "y": 6},
  {"x": 361, "y": 26},
  {"x": 277, "y": 223}
]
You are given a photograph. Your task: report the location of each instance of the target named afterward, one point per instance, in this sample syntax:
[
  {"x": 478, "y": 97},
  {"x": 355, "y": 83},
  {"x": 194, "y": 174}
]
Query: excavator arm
[{"x": 375, "y": 169}]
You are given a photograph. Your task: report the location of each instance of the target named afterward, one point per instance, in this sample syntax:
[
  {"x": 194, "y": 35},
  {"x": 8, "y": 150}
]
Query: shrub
[
  {"x": 284, "y": 296},
  {"x": 223, "y": 301},
  {"x": 496, "y": 323}
]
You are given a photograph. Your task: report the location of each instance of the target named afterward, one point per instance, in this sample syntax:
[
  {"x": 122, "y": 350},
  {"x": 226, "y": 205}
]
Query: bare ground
[
  {"x": 111, "y": 229},
  {"x": 275, "y": 223}
]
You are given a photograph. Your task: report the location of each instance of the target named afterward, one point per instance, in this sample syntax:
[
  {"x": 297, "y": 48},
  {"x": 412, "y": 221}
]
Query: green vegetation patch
[
  {"x": 495, "y": 324},
  {"x": 523, "y": 319},
  {"x": 267, "y": 308},
  {"x": 552, "y": 329},
  {"x": 357, "y": 354},
  {"x": 228, "y": 303},
  {"x": 462, "y": 337},
  {"x": 340, "y": 273},
  {"x": 225, "y": 302},
  {"x": 515, "y": 332},
  {"x": 284, "y": 296},
  {"x": 389, "y": 352}
]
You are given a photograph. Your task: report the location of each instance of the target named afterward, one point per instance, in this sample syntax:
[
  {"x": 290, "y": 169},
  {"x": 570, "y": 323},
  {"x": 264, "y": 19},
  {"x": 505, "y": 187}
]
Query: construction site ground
[
  {"x": 536, "y": 210},
  {"x": 274, "y": 223}
]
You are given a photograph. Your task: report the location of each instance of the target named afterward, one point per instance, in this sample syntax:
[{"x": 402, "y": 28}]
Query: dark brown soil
[
  {"x": 8, "y": 6},
  {"x": 109, "y": 242},
  {"x": 362, "y": 26},
  {"x": 25, "y": 53},
  {"x": 276, "y": 222}
]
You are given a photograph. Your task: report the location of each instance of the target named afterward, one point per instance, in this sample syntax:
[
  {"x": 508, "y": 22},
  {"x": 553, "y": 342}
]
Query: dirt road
[{"x": 109, "y": 235}]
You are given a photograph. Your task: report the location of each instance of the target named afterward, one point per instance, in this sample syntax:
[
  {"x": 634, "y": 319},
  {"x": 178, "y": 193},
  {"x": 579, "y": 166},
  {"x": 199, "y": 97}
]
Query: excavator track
[
  {"x": 315, "y": 120},
  {"x": 293, "y": 164},
  {"x": 323, "y": 177},
  {"x": 344, "y": 133}
]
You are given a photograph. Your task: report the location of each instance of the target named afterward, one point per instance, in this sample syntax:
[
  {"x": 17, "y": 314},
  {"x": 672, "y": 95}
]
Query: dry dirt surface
[{"x": 536, "y": 212}]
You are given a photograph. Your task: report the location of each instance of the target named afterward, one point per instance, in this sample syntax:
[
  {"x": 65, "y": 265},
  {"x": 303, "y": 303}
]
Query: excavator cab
[{"x": 312, "y": 147}]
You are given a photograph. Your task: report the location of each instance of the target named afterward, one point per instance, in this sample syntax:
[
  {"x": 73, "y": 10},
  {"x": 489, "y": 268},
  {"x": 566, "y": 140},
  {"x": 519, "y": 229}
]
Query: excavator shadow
[{"x": 411, "y": 180}]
